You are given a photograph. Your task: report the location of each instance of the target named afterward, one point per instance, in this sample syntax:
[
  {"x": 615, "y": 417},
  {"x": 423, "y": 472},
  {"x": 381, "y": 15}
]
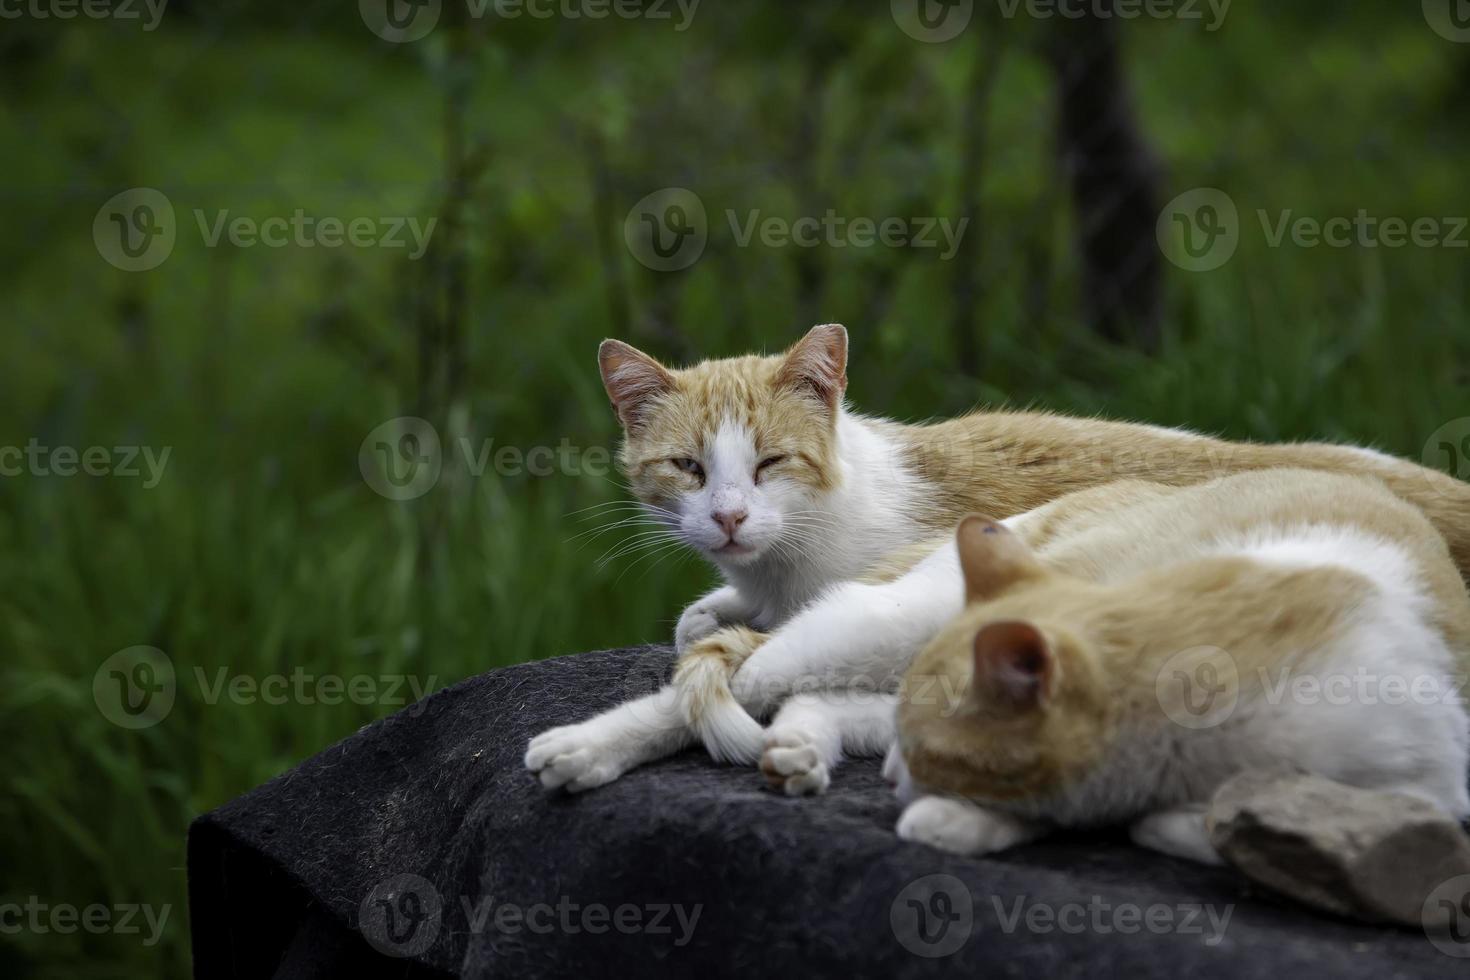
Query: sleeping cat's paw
[
  {"x": 1179, "y": 833},
  {"x": 577, "y": 757},
  {"x": 960, "y": 827},
  {"x": 793, "y": 765}
]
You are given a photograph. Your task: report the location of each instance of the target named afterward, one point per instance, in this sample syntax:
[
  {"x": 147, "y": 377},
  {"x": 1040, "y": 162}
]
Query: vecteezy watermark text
[
  {"x": 306, "y": 688},
  {"x": 835, "y": 231},
  {"x": 1100, "y": 917},
  {"x": 90, "y": 9},
  {"x": 125, "y": 919},
  {"x": 1212, "y": 12},
  {"x": 403, "y": 458},
  {"x": 35, "y": 459},
  {"x": 402, "y": 21},
  {"x": 668, "y": 230},
  {"x": 568, "y": 918},
  {"x": 136, "y": 230},
  {"x": 403, "y": 915},
  {"x": 306, "y": 231},
  {"x": 137, "y": 687},
  {"x": 1201, "y": 229}
]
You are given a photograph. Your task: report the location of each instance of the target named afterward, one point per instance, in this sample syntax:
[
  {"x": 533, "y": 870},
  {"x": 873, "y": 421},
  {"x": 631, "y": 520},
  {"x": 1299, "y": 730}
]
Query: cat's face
[
  {"x": 733, "y": 454},
  {"x": 1025, "y": 713}
]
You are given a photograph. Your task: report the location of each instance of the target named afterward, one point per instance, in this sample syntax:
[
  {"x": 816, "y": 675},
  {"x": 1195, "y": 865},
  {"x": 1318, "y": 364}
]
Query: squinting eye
[
  {"x": 689, "y": 466},
  {"x": 769, "y": 461}
]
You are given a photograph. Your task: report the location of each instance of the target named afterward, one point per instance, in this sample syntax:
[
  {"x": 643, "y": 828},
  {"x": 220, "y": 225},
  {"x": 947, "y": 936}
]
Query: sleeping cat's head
[
  {"x": 1007, "y": 702},
  {"x": 732, "y": 454}
]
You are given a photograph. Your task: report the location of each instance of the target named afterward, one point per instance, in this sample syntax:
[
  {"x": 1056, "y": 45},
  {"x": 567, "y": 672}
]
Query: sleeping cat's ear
[
  {"x": 818, "y": 363},
  {"x": 631, "y": 378},
  {"x": 992, "y": 557},
  {"x": 1014, "y": 665}
]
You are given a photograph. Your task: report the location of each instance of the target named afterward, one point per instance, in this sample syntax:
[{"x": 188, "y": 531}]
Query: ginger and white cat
[
  {"x": 1323, "y": 615},
  {"x": 808, "y": 509}
]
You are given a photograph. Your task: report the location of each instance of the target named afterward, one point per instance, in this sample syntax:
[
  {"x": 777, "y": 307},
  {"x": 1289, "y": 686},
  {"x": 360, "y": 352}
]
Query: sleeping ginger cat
[
  {"x": 1149, "y": 642},
  {"x": 804, "y": 506}
]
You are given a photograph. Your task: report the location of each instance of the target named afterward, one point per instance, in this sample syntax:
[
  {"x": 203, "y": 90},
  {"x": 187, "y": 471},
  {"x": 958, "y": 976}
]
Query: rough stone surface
[
  {"x": 406, "y": 849},
  {"x": 1355, "y": 852}
]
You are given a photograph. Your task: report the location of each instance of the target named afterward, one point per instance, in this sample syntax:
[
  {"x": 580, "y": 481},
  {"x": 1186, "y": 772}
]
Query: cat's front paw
[
  {"x": 577, "y": 757},
  {"x": 697, "y": 622},
  {"x": 793, "y": 764},
  {"x": 957, "y": 827}
]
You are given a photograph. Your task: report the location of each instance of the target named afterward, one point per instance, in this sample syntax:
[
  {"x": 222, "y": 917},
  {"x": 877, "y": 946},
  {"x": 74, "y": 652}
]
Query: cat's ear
[
  {"x": 1015, "y": 667},
  {"x": 992, "y": 557},
  {"x": 632, "y": 379},
  {"x": 818, "y": 363}
]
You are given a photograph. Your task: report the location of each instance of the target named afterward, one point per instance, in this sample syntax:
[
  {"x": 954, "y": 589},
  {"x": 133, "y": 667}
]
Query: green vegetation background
[{"x": 263, "y": 551}]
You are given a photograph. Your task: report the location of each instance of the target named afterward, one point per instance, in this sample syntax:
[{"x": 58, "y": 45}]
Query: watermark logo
[
  {"x": 1448, "y": 450},
  {"x": 667, "y": 231},
  {"x": 135, "y": 230},
  {"x": 1450, "y": 19},
  {"x": 1446, "y": 917},
  {"x": 932, "y": 21},
  {"x": 400, "y": 21},
  {"x": 401, "y": 916},
  {"x": 401, "y": 459},
  {"x": 933, "y": 916},
  {"x": 1199, "y": 687},
  {"x": 1199, "y": 230},
  {"x": 135, "y": 688}
]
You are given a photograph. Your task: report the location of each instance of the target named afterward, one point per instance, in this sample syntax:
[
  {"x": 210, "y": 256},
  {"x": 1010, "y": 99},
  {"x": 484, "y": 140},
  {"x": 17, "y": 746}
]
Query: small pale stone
[{"x": 1355, "y": 852}]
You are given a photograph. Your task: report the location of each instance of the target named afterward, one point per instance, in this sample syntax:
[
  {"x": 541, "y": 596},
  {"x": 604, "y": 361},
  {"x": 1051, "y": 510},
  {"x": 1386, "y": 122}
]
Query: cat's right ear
[
  {"x": 818, "y": 363},
  {"x": 1014, "y": 665},
  {"x": 992, "y": 557},
  {"x": 632, "y": 380}
]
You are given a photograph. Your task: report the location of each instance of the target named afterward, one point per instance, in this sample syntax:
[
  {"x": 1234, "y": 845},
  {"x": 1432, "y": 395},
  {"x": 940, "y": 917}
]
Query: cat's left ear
[
  {"x": 818, "y": 362},
  {"x": 1014, "y": 665},
  {"x": 992, "y": 557}
]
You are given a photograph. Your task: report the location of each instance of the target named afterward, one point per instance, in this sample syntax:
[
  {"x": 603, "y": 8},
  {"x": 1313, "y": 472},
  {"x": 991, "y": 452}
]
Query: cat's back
[{"x": 1124, "y": 528}]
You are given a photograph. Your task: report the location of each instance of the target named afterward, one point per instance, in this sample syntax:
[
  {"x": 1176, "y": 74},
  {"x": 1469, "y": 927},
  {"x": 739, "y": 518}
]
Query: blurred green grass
[{"x": 263, "y": 550}]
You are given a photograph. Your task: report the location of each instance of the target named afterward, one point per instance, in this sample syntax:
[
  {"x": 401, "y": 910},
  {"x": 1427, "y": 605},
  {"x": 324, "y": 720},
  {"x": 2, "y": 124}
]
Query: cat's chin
[{"x": 734, "y": 554}]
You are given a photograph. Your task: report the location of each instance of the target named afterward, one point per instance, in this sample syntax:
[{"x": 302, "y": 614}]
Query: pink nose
[{"x": 730, "y": 519}]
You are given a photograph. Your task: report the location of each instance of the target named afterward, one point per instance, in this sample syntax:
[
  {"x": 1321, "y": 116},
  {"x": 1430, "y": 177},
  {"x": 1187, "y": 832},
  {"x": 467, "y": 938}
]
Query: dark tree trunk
[{"x": 1113, "y": 177}]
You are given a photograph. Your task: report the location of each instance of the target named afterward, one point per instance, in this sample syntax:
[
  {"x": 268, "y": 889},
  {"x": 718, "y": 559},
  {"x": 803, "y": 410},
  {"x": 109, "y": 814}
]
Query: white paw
[
  {"x": 1179, "y": 833},
  {"x": 955, "y": 826},
  {"x": 697, "y": 622},
  {"x": 793, "y": 765},
  {"x": 577, "y": 757}
]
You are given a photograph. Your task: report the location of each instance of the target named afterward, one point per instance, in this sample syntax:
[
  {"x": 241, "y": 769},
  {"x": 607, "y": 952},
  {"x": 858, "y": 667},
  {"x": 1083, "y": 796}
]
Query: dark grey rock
[
  {"x": 1355, "y": 852},
  {"x": 378, "y": 856}
]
